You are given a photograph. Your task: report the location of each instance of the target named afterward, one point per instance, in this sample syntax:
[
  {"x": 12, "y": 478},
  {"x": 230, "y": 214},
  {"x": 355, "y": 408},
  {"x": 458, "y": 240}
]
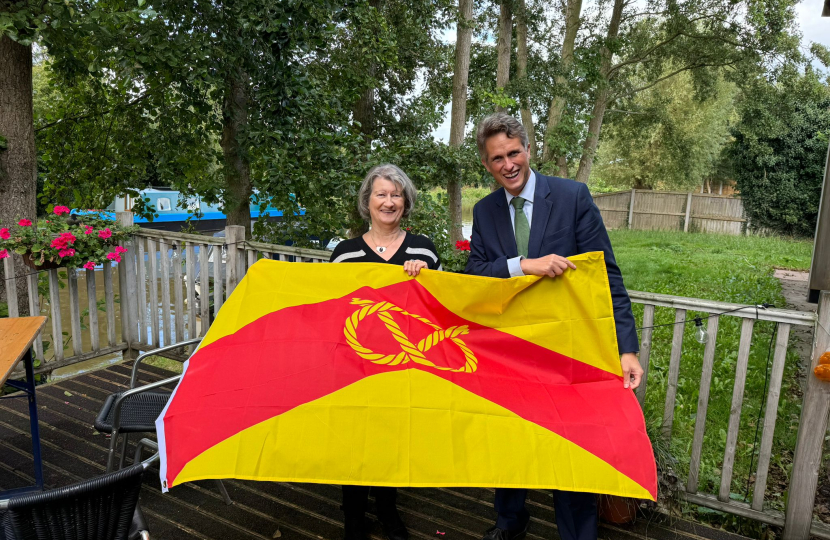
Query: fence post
[
  {"x": 128, "y": 292},
  {"x": 688, "y": 212},
  {"x": 631, "y": 209},
  {"x": 234, "y": 236},
  {"x": 811, "y": 431}
]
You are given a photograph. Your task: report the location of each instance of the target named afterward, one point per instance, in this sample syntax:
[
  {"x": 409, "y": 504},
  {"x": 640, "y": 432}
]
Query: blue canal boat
[{"x": 171, "y": 209}]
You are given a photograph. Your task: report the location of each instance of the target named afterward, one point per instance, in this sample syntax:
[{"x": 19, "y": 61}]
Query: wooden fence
[
  {"x": 672, "y": 211},
  {"x": 171, "y": 283}
]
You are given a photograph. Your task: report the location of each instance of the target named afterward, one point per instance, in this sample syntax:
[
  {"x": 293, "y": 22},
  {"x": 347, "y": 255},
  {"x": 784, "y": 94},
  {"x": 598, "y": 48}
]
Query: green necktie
[{"x": 522, "y": 227}]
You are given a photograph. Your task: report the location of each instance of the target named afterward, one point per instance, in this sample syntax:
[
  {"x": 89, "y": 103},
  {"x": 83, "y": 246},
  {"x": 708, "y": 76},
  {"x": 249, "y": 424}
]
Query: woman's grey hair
[
  {"x": 394, "y": 174},
  {"x": 499, "y": 123}
]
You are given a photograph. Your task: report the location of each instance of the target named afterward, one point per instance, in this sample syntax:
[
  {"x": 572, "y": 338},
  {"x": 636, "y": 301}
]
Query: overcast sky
[{"x": 814, "y": 28}]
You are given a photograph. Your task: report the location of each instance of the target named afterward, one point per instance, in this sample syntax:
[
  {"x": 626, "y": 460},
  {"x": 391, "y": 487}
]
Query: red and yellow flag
[{"x": 358, "y": 374}]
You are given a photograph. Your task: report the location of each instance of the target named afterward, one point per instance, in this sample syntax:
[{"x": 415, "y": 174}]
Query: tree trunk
[
  {"x": 364, "y": 113},
  {"x": 573, "y": 12},
  {"x": 364, "y": 109},
  {"x": 18, "y": 161},
  {"x": 238, "y": 187},
  {"x": 589, "y": 147},
  {"x": 521, "y": 75},
  {"x": 458, "y": 117},
  {"x": 504, "y": 46}
]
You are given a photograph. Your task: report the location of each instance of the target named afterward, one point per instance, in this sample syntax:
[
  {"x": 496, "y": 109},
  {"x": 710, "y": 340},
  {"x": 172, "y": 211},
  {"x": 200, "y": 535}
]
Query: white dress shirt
[{"x": 514, "y": 265}]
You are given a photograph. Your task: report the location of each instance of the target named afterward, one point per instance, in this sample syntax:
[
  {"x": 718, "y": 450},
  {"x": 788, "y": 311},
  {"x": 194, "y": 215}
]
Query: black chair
[
  {"x": 102, "y": 508},
  {"x": 136, "y": 410}
]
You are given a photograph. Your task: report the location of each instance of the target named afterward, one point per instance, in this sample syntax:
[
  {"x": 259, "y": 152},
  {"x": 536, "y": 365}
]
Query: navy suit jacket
[{"x": 565, "y": 222}]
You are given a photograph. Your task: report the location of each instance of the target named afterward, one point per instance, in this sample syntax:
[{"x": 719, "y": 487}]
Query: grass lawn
[{"x": 727, "y": 268}]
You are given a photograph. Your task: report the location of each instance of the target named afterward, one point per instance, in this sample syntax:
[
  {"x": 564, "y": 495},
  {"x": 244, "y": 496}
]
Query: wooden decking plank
[{"x": 281, "y": 511}]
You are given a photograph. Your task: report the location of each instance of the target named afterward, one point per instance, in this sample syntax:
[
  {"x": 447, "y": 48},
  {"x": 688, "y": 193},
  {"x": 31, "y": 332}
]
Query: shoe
[
  {"x": 393, "y": 527},
  {"x": 494, "y": 533}
]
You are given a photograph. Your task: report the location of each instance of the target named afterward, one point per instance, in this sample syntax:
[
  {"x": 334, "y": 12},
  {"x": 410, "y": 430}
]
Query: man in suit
[{"x": 529, "y": 227}]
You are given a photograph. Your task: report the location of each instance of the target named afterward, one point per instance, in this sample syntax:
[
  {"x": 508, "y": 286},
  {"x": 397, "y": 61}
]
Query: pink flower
[
  {"x": 114, "y": 256},
  {"x": 3, "y": 253},
  {"x": 25, "y": 222},
  {"x": 89, "y": 265},
  {"x": 63, "y": 240},
  {"x": 88, "y": 229},
  {"x": 106, "y": 233},
  {"x": 119, "y": 249},
  {"x": 61, "y": 210},
  {"x": 4, "y": 234},
  {"x": 66, "y": 252}
]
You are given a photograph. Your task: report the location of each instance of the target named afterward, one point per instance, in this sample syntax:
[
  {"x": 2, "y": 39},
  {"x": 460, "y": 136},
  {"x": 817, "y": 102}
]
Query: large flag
[{"x": 358, "y": 374}]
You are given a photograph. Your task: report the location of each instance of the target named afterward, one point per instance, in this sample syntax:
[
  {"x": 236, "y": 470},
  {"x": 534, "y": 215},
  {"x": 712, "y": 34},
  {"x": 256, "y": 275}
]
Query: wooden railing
[{"x": 170, "y": 284}]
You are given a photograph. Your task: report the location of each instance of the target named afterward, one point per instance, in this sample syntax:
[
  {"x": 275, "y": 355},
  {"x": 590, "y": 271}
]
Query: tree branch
[
  {"x": 669, "y": 76},
  {"x": 91, "y": 114}
]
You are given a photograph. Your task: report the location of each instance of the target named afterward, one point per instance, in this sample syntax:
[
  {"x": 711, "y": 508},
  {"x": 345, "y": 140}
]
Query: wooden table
[{"x": 16, "y": 337}]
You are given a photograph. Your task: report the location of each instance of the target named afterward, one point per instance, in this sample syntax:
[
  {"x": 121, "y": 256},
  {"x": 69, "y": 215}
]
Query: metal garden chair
[{"x": 135, "y": 410}]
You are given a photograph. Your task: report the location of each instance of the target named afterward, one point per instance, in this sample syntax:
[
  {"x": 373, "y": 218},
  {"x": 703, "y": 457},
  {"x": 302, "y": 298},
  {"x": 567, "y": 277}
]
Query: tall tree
[
  {"x": 572, "y": 13},
  {"x": 18, "y": 164},
  {"x": 779, "y": 149},
  {"x": 601, "y": 95},
  {"x": 504, "y": 46},
  {"x": 521, "y": 75},
  {"x": 667, "y": 137},
  {"x": 458, "y": 118}
]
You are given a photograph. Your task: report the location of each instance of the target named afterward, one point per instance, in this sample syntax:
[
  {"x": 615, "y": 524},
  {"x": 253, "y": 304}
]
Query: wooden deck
[{"x": 73, "y": 451}]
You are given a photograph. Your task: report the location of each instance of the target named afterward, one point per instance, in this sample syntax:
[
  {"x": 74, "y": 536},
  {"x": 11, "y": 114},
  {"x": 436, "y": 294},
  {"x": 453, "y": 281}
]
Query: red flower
[
  {"x": 89, "y": 265},
  {"x": 58, "y": 210},
  {"x": 119, "y": 249},
  {"x": 106, "y": 233},
  {"x": 66, "y": 252},
  {"x": 25, "y": 222},
  {"x": 3, "y": 253},
  {"x": 114, "y": 256},
  {"x": 4, "y": 234},
  {"x": 63, "y": 240},
  {"x": 88, "y": 229},
  {"x": 463, "y": 245}
]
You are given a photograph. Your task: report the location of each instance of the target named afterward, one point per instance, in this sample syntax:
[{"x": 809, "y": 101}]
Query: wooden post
[
  {"x": 11, "y": 287},
  {"x": 234, "y": 236},
  {"x": 631, "y": 209},
  {"x": 128, "y": 292},
  {"x": 688, "y": 212},
  {"x": 820, "y": 267},
  {"x": 811, "y": 431}
]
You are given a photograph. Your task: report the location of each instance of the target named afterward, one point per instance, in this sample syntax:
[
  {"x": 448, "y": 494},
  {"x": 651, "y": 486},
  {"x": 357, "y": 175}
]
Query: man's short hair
[
  {"x": 499, "y": 123},
  {"x": 394, "y": 174}
]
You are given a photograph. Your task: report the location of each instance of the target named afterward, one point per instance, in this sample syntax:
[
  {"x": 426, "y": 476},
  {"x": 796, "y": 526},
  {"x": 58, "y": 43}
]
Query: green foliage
[
  {"x": 431, "y": 218},
  {"x": 780, "y": 148},
  {"x": 667, "y": 137}
]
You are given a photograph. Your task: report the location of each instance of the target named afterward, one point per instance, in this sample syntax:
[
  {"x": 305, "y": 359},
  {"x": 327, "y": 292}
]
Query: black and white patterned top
[{"x": 414, "y": 247}]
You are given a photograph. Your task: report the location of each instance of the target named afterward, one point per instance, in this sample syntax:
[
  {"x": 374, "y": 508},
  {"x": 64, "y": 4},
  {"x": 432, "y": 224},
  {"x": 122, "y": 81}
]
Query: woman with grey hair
[{"x": 386, "y": 196}]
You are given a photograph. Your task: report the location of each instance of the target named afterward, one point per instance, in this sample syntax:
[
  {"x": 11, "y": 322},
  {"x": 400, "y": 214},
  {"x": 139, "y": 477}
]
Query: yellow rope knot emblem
[{"x": 409, "y": 350}]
